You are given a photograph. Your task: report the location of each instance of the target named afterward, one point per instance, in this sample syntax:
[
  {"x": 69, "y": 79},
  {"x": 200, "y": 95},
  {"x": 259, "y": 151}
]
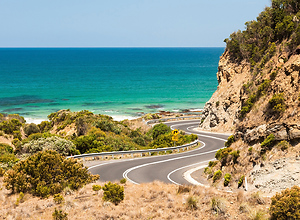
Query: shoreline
[{"x": 116, "y": 117}]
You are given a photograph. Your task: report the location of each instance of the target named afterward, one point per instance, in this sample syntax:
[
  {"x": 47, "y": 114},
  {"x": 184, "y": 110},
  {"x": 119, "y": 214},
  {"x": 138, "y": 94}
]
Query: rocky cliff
[
  {"x": 237, "y": 82},
  {"x": 258, "y": 101}
]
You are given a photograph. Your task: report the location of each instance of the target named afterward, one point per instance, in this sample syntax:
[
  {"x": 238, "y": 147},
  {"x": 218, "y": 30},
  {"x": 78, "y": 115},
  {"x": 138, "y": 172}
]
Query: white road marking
[
  {"x": 202, "y": 135},
  {"x": 143, "y": 158},
  {"x": 189, "y": 178},
  {"x": 125, "y": 174}
]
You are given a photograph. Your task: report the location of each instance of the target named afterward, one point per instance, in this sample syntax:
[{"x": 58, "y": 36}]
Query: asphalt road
[{"x": 166, "y": 168}]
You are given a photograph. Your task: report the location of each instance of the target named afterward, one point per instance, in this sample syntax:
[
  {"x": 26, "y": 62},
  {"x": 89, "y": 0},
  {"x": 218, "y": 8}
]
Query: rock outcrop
[{"x": 222, "y": 112}]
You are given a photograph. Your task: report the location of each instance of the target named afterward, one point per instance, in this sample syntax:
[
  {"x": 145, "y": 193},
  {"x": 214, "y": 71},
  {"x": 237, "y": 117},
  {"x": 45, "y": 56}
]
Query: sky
[{"x": 123, "y": 23}]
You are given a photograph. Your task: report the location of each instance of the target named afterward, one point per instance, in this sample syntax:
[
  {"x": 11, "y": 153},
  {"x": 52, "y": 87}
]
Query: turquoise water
[{"x": 121, "y": 82}]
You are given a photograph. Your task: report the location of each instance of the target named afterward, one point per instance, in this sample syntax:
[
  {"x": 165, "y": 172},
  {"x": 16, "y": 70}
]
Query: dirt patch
[{"x": 276, "y": 176}]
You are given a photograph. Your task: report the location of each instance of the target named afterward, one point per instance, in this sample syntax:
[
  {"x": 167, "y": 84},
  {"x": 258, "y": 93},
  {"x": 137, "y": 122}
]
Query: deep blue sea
[{"x": 121, "y": 82}]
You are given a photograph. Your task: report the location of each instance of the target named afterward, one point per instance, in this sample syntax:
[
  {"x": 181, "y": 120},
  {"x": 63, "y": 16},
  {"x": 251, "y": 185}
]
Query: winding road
[{"x": 166, "y": 168}]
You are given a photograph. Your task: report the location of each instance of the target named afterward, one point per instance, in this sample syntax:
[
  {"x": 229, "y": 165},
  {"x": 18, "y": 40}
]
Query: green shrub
[
  {"x": 212, "y": 163},
  {"x": 248, "y": 105},
  {"x": 47, "y": 173},
  {"x": 58, "y": 198},
  {"x": 31, "y": 129},
  {"x": 207, "y": 170},
  {"x": 286, "y": 205},
  {"x": 140, "y": 141},
  {"x": 123, "y": 181},
  {"x": 58, "y": 144},
  {"x": 217, "y": 104},
  {"x": 17, "y": 135},
  {"x": 44, "y": 126},
  {"x": 2, "y": 172},
  {"x": 159, "y": 129},
  {"x": 268, "y": 143},
  {"x": 222, "y": 153},
  {"x": 113, "y": 193},
  {"x": 241, "y": 181},
  {"x": 162, "y": 141},
  {"x": 7, "y": 158},
  {"x": 59, "y": 215},
  {"x": 20, "y": 198},
  {"x": 191, "y": 203},
  {"x": 108, "y": 125},
  {"x": 229, "y": 141},
  {"x": 235, "y": 155},
  {"x": 217, "y": 175},
  {"x": 97, "y": 187},
  {"x": 250, "y": 149},
  {"x": 263, "y": 87},
  {"x": 283, "y": 145},
  {"x": 227, "y": 179},
  {"x": 277, "y": 103},
  {"x": 10, "y": 126}
]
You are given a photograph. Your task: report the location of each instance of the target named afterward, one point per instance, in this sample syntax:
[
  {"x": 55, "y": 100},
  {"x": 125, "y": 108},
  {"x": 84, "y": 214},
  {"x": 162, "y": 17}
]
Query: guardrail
[
  {"x": 141, "y": 152},
  {"x": 167, "y": 119}
]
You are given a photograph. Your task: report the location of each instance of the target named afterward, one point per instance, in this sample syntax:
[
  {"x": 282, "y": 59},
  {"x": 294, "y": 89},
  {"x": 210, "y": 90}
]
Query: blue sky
[{"x": 123, "y": 23}]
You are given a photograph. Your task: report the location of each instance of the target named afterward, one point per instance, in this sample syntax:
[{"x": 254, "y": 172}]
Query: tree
[
  {"x": 160, "y": 129},
  {"x": 47, "y": 173}
]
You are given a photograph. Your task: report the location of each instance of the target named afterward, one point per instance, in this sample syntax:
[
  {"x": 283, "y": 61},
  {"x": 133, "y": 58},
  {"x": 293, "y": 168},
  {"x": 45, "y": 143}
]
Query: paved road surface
[{"x": 167, "y": 168}]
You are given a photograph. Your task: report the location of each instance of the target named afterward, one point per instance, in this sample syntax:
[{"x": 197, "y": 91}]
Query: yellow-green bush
[
  {"x": 59, "y": 215},
  {"x": 277, "y": 103},
  {"x": 2, "y": 172},
  {"x": 97, "y": 187},
  {"x": 212, "y": 163},
  {"x": 31, "y": 129},
  {"x": 47, "y": 173},
  {"x": 7, "y": 158},
  {"x": 217, "y": 175},
  {"x": 10, "y": 126},
  {"x": 123, "y": 181},
  {"x": 283, "y": 145},
  {"x": 113, "y": 193},
  {"x": 58, "y": 198},
  {"x": 241, "y": 181},
  {"x": 20, "y": 198},
  {"x": 268, "y": 143},
  {"x": 227, "y": 178},
  {"x": 286, "y": 205},
  {"x": 229, "y": 141},
  {"x": 235, "y": 155}
]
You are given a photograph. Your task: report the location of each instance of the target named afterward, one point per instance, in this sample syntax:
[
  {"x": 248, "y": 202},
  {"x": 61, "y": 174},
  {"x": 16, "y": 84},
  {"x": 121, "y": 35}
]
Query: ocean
[{"x": 120, "y": 82}]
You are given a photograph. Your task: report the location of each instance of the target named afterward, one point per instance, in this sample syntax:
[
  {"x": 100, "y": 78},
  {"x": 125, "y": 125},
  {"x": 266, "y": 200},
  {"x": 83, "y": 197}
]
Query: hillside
[{"x": 258, "y": 100}]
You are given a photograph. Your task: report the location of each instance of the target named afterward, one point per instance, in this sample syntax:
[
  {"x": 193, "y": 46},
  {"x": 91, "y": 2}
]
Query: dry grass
[{"x": 146, "y": 201}]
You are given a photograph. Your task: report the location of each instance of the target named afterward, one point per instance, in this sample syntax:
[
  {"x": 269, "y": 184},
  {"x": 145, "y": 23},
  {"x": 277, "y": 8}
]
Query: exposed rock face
[
  {"x": 239, "y": 86},
  {"x": 276, "y": 176},
  {"x": 222, "y": 112}
]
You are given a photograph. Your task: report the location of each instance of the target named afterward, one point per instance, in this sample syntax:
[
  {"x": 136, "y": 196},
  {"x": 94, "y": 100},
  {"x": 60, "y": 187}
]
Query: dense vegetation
[
  {"x": 47, "y": 173},
  {"x": 83, "y": 132},
  {"x": 286, "y": 205},
  {"x": 257, "y": 44},
  {"x": 66, "y": 133}
]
